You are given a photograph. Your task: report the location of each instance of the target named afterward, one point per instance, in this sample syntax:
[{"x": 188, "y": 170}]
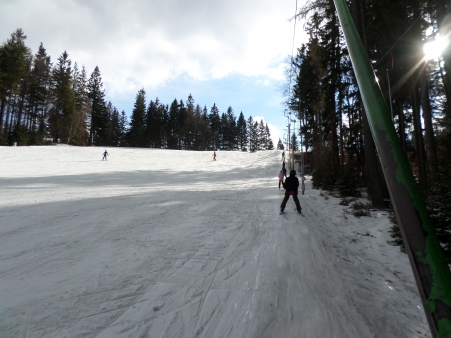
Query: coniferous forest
[
  {"x": 327, "y": 101},
  {"x": 45, "y": 102}
]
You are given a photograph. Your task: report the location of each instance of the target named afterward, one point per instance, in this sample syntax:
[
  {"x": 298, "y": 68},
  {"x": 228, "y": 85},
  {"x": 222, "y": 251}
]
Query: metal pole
[
  {"x": 289, "y": 139},
  {"x": 302, "y": 149},
  {"x": 426, "y": 257},
  {"x": 302, "y": 162},
  {"x": 293, "y": 145}
]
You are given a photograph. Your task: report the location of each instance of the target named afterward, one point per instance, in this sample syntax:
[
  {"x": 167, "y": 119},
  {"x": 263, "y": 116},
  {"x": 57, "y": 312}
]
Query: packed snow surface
[{"x": 161, "y": 243}]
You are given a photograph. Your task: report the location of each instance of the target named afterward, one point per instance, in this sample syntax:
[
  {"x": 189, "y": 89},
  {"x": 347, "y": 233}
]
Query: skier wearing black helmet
[{"x": 291, "y": 189}]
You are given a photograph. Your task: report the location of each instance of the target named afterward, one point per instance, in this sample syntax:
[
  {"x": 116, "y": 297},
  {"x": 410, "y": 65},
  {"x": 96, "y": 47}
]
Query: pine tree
[
  {"x": 223, "y": 132},
  {"x": 173, "y": 125},
  {"x": 110, "y": 126},
  {"x": 242, "y": 138},
  {"x": 262, "y": 140},
  {"x": 78, "y": 129},
  {"x": 269, "y": 143},
  {"x": 189, "y": 125},
  {"x": 21, "y": 125},
  {"x": 116, "y": 130},
  {"x": 123, "y": 123},
  {"x": 99, "y": 116},
  {"x": 39, "y": 93},
  {"x": 181, "y": 121},
  {"x": 215, "y": 124},
  {"x": 62, "y": 114},
  {"x": 252, "y": 133},
  {"x": 165, "y": 126},
  {"x": 256, "y": 136},
  {"x": 137, "y": 132},
  {"x": 14, "y": 59},
  {"x": 159, "y": 123},
  {"x": 206, "y": 135},
  {"x": 231, "y": 135}
]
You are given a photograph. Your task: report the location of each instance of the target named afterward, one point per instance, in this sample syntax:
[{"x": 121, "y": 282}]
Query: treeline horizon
[{"x": 43, "y": 103}]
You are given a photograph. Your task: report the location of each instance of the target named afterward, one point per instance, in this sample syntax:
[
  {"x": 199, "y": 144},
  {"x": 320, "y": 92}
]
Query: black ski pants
[{"x": 285, "y": 200}]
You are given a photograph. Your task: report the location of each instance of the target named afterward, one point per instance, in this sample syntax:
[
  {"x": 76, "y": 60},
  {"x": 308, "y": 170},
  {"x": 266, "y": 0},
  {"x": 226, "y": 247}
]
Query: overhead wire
[
  {"x": 408, "y": 29},
  {"x": 397, "y": 41},
  {"x": 292, "y": 46},
  {"x": 291, "y": 71}
]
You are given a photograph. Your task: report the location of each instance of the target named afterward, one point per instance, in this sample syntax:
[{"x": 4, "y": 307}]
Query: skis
[{"x": 300, "y": 212}]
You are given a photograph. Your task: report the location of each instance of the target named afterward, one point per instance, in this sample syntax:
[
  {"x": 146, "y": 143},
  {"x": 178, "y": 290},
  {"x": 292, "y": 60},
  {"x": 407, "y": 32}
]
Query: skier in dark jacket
[{"x": 291, "y": 186}]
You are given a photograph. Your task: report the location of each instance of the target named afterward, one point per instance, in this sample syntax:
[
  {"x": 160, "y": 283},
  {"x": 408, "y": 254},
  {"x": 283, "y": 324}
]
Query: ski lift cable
[
  {"x": 408, "y": 29},
  {"x": 292, "y": 45},
  {"x": 428, "y": 3}
]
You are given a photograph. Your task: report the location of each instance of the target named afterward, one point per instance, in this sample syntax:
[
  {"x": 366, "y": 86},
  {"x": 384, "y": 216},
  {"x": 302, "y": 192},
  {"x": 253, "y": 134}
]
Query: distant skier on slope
[
  {"x": 105, "y": 154},
  {"x": 281, "y": 176},
  {"x": 283, "y": 156},
  {"x": 214, "y": 155},
  {"x": 284, "y": 170},
  {"x": 291, "y": 189}
]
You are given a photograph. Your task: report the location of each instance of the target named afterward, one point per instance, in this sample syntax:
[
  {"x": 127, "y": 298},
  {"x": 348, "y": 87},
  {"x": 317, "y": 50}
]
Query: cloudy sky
[{"x": 226, "y": 52}]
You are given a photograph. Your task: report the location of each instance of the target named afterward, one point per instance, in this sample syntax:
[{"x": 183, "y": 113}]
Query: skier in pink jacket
[{"x": 281, "y": 176}]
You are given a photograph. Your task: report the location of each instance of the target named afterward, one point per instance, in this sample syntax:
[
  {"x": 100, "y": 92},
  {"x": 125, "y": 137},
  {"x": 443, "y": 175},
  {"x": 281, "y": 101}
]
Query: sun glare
[{"x": 434, "y": 49}]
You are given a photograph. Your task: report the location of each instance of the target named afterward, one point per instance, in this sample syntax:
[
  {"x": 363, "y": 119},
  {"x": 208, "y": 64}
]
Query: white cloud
[
  {"x": 264, "y": 82},
  {"x": 139, "y": 43}
]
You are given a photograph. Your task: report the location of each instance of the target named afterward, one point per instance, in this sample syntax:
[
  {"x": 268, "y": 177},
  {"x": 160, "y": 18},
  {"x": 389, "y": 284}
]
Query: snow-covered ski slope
[{"x": 160, "y": 243}]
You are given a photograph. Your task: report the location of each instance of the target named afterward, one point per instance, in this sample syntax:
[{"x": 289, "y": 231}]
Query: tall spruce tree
[
  {"x": 215, "y": 125},
  {"x": 99, "y": 115},
  {"x": 181, "y": 121},
  {"x": 123, "y": 128},
  {"x": 62, "y": 113},
  {"x": 14, "y": 59},
  {"x": 39, "y": 94},
  {"x": 116, "y": 130},
  {"x": 262, "y": 138},
  {"x": 78, "y": 129},
  {"x": 173, "y": 125},
  {"x": 242, "y": 138},
  {"x": 137, "y": 131},
  {"x": 231, "y": 129},
  {"x": 269, "y": 142},
  {"x": 252, "y": 134}
]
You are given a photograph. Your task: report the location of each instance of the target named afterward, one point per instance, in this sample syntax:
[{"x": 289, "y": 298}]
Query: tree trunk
[
  {"x": 443, "y": 15},
  {"x": 335, "y": 78},
  {"x": 8, "y": 111},
  {"x": 2, "y": 111},
  {"x": 374, "y": 181},
  {"x": 428, "y": 128},
  {"x": 402, "y": 127},
  {"x": 19, "y": 114},
  {"x": 11, "y": 115},
  {"x": 342, "y": 155},
  {"x": 419, "y": 145}
]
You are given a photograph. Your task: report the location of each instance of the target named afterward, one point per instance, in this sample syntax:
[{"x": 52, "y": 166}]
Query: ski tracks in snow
[{"x": 148, "y": 249}]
